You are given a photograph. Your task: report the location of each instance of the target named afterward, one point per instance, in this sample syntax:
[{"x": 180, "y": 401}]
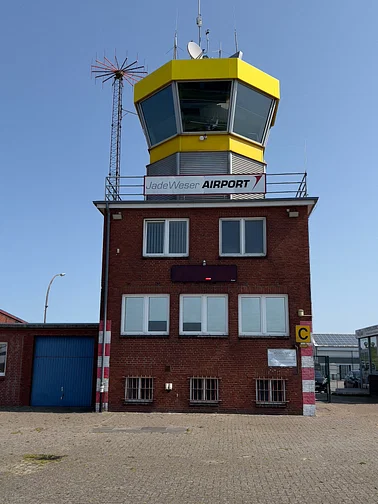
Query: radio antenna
[
  {"x": 236, "y": 40},
  {"x": 118, "y": 73},
  {"x": 199, "y": 22}
]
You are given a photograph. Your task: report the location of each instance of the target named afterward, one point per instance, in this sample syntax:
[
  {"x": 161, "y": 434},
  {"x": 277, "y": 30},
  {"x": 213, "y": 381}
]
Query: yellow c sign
[{"x": 302, "y": 334}]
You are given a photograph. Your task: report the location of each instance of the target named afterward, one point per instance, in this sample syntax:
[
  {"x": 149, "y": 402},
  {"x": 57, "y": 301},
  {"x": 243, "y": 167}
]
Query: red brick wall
[
  {"x": 7, "y": 319},
  {"x": 10, "y": 383},
  {"x": 15, "y": 386},
  {"x": 237, "y": 362}
]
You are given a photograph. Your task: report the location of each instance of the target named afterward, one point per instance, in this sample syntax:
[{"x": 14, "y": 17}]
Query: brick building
[
  {"x": 37, "y": 360},
  {"x": 207, "y": 275},
  {"x": 8, "y": 318}
]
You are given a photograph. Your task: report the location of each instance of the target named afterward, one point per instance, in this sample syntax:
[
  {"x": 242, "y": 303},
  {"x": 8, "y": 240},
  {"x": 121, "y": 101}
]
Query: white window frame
[
  {"x": 204, "y": 400},
  {"x": 242, "y": 221},
  {"x": 263, "y": 321},
  {"x": 2, "y": 373},
  {"x": 204, "y": 331},
  {"x": 145, "y": 331},
  {"x": 139, "y": 399},
  {"x": 270, "y": 401},
  {"x": 166, "y": 238}
]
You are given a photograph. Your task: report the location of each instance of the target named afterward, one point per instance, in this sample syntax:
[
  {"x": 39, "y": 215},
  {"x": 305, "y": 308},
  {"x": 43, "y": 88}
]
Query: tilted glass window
[
  {"x": 242, "y": 237},
  {"x": 3, "y": 358},
  {"x": 143, "y": 315},
  {"x": 263, "y": 315},
  {"x": 166, "y": 237},
  {"x": 159, "y": 115},
  {"x": 204, "y": 105},
  {"x": 203, "y": 315},
  {"x": 251, "y": 113}
]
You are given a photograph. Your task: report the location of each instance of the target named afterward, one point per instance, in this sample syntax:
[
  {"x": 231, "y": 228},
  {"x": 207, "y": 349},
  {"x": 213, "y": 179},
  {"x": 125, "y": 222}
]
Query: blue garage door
[{"x": 63, "y": 371}]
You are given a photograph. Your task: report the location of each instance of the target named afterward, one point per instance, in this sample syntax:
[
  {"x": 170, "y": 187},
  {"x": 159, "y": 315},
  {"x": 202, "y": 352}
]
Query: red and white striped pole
[
  {"x": 308, "y": 376},
  {"x": 103, "y": 356}
]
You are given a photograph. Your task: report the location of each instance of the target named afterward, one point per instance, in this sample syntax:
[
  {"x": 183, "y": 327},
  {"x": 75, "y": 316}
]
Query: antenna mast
[
  {"x": 107, "y": 70},
  {"x": 199, "y": 22}
]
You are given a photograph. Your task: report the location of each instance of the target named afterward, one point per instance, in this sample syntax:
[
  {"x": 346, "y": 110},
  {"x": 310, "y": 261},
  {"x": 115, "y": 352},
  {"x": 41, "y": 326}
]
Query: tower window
[
  {"x": 252, "y": 112},
  {"x": 159, "y": 116},
  {"x": 204, "y": 105}
]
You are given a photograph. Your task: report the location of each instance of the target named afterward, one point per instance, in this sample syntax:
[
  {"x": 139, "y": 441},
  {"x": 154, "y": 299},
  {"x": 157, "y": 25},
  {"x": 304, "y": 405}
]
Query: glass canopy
[{"x": 207, "y": 106}]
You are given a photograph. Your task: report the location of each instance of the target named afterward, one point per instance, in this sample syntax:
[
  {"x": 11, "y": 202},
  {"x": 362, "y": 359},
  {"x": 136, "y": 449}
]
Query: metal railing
[{"x": 278, "y": 185}]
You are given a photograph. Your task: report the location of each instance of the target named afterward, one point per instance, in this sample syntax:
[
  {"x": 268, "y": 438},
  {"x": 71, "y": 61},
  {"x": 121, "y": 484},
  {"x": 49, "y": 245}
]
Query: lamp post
[{"x": 47, "y": 294}]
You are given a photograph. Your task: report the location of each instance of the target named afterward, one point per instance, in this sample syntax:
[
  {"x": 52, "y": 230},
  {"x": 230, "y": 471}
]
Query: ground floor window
[
  {"x": 270, "y": 391},
  {"x": 204, "y": 390},
  {"x": 139, "y": 389},
  {"x": 3, "y": 358}
]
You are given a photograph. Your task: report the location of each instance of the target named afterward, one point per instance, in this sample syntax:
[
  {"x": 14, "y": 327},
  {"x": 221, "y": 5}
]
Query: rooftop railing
[{"x": 278, "y": 185}]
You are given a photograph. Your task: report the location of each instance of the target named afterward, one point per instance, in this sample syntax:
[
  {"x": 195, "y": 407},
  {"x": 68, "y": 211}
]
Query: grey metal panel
[
  {"x": 244, "y": 165},
  {"x": 204, "y": 163},
  {"x": 166, "y": 166}
]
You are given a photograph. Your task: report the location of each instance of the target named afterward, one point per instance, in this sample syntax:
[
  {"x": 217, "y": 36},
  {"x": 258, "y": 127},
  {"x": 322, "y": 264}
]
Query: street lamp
[{"x": 47, "y": 294}]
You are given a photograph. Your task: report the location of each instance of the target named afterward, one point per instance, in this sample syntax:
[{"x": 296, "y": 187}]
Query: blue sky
[{"x": 55, "y": 135}]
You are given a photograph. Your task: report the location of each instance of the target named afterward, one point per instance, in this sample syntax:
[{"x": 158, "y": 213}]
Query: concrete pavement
[{"x": 191, "y": 458}]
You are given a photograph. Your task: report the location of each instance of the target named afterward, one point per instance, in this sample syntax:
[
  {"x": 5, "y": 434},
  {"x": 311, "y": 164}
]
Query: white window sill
[
  {"x": 272, "y": 404},
  {"x": 203, "y": 335},
  {"x": 145, "y": 335},
  {"x": 243, "y": 255},
  {"x": 164, "y": 256},
  {"x": 137, "y": 401},
  {"x": 253, "y": 335},
  {"x": 204, "y": 403}
]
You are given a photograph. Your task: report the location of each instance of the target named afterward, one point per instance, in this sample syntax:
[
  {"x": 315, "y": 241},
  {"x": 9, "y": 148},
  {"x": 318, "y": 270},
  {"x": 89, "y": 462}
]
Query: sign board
[
  {"x": 282, "y": 358},
  {"x": 302, "y": 334},
  {"x": 205, "y": 184}
]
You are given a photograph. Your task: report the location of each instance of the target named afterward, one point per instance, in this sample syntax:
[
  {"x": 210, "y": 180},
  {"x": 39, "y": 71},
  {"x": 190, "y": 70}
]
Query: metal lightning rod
[{"x": 131, "y": 73}]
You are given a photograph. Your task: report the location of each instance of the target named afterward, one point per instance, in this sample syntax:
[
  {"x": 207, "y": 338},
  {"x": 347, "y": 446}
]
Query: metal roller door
[{"x": 63, "y": 371}]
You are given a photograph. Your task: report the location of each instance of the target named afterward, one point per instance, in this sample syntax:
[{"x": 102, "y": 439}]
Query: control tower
[{"x": 207, "y": 116}]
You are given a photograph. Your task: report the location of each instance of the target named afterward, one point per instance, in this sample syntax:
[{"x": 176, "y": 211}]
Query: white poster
[
  {"x": 282, "y": 358},
  {"x": 205, "y": 184}
]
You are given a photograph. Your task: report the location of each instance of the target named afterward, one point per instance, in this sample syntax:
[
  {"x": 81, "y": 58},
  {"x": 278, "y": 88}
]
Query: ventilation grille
[
  {"x": 246, "y": 166},
  {"x": 204, "y": 163}
]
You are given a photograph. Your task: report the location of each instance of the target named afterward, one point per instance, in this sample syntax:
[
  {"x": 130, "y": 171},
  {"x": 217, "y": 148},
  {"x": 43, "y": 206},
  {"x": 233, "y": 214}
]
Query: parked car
[
  {"x": 320, "y": 382},
  {"x": 352, "y": 379}
]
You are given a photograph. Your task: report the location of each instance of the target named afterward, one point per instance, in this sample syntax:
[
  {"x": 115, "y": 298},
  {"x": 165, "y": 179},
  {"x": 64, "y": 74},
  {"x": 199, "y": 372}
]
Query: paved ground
[{"x": 191, "y": 459}]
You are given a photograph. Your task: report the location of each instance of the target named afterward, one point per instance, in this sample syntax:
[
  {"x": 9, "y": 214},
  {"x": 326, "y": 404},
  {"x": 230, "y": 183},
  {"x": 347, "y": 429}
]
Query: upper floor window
[
  {"x": 203, "y": 315},
  {"x": 166, "y": 237},
  {"x": 143, "y": 315},
  {"x": 243, "y": 237},
  {"x": 159, "y": 115},
  {"x": 3, "y": 358},
  {"x": 263, "y": 315}
]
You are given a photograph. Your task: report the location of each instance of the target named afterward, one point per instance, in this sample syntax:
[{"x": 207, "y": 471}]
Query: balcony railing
[{"x": 278, "y": 185}]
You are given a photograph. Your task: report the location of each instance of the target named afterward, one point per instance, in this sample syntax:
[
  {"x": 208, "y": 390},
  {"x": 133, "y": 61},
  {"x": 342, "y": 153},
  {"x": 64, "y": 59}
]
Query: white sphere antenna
[{"x": 194, "y": 50}]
